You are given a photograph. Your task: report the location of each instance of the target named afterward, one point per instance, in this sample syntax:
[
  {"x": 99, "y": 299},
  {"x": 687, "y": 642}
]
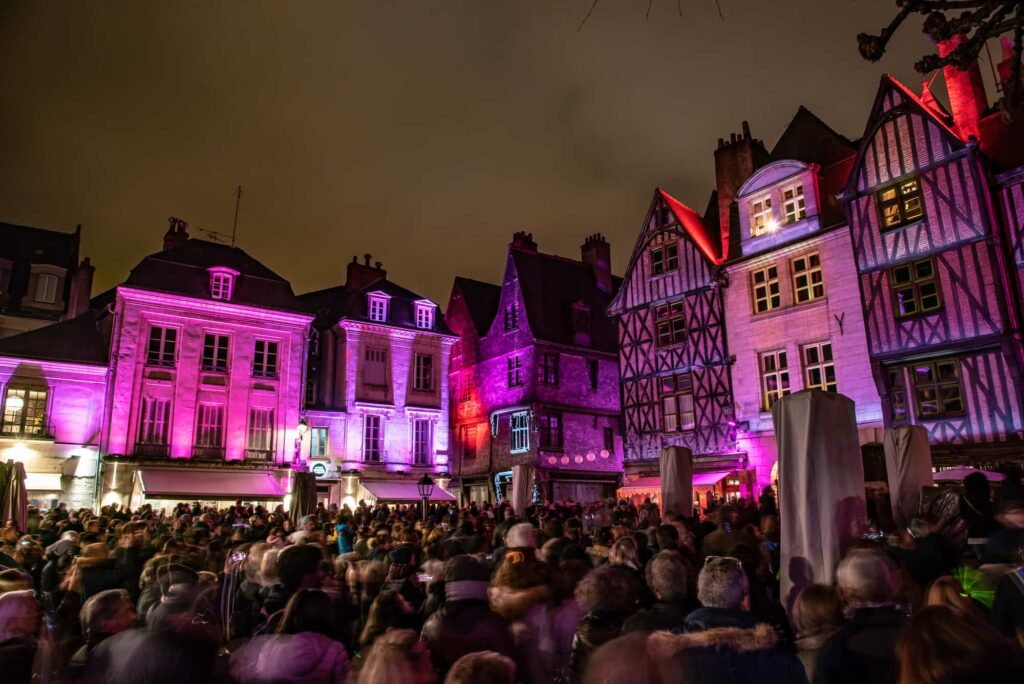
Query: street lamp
[
  {"x": 425, "y": 487},
  {"x": 300, "y": 431}
]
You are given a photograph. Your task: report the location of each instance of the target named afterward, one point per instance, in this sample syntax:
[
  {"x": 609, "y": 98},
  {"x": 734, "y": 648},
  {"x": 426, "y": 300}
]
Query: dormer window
[
  {"x": 222, "y": 283},
  {"x": 761, "y": 220},
  {"x": 793, "y": 203},
  {"x": 425, "y": 315},
  {"x": 46, "y": 288},
  {"x": 377, "y": 307}
]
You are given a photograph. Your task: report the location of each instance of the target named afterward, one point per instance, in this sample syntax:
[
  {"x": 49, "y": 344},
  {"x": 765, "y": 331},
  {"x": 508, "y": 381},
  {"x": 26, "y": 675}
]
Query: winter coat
[
  {"x": 303, "y": 658},
  {"x": 725, "y": 655},
  {"x": 807, "y": 650},
  {"x": 704, "y": 619},
  {"x": 595, "y": 629},
  {"x": 16, "y": 658},
  {"x": 543, "y": 633},
  {"x": 461, "y": 627},
  {"x": 864, "y": 649},
  {"x": 660, "y": 616}
]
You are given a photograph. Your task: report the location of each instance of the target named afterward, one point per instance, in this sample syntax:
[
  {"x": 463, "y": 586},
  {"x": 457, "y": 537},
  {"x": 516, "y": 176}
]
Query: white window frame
[
  {"x": 216, "y": 364},
  {"x": 778, "y": 370},
  {"x": 28, "y": 419},
  {"x": 424, "y": 316},
  {"x": 422, "y": 441},
  {"x": 319, "y": 442},
  {"x": 520, "y": 432},
  {"x": 261, "y": 429},
  {"x": 765, "y": 293},
  {"x": 164, "y": 357},
  {"x": 794, "y": 208},
  {"x": 377, "y": 308},
  {"x": 423, "y": 372},
  {"x": 222, "y": 285},
  {"x": 813, "y": 287},
  {"x": 46, "y": 288},
  {"x": 821, "y": 364},
  {"x": 264, "y": 360},
  {"x": 210, "y": 426},
  {"x": 373, "y": 438},
  {"x": 762, "y": 220},
  {"x": 155, "y": 421}
]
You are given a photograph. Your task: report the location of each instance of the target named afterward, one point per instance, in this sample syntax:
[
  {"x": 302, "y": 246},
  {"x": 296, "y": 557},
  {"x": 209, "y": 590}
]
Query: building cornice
[
  {"x": 70, "y": 366},
  {"x": 394, "y": 331},
  {"x": 218, "y": 308}
]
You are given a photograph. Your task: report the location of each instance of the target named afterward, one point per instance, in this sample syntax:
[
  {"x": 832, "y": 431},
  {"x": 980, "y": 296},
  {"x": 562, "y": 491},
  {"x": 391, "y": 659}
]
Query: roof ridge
[{"x": 821, "y": 121}]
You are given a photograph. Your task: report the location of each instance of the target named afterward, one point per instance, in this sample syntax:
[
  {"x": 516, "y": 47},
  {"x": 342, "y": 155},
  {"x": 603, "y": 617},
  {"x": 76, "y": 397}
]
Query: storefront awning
[
  {"x": 42, "y": 482},
  {"x": 708, "y": 479},
  {"x": 209, "y": 484},
  {"x": 645, "y": 484},
  {"x": 402, "y": 491}
]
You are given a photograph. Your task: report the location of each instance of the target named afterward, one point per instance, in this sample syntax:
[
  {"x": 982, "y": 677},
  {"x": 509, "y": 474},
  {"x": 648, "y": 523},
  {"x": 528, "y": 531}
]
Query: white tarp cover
[
  {"x": 522, "y": 488},
  {"x": 821, "y": 482},
  {"x": 908, "y": 465},
  {"x": 676, "y": 466}
]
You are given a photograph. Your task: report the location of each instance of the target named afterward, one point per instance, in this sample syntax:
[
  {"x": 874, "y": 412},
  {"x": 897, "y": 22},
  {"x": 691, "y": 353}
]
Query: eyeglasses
[{"x": 723, "y": 559}]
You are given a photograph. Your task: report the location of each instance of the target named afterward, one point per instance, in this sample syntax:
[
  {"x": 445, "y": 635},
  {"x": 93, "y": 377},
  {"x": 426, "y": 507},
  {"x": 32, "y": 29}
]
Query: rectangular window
[
  {"x": 162, "y": 344},
  {"x": 46, "y": 288},
  {"x": 154, "y": 421},
  {"x": 515, "y": 371},
  {"x": 318, "y": 442},
  {"x": 915, "y": 288},
  {"x": 670, "y": 323},
  {"x": 424, "y": 316},
  {"x": 900, "y": 204},
  {"x": 220, "y": 286},
  {"x": 547, "y": 369},
  {"x": 423, "y": 373},
  {"x": 215, "y": 353},
  {"x": 511, "y": 317},
  {"x": 373, "y": 438},
  {"x": 819, "y": 369},
  {"x": 375, "y": 367},
  {"x": 665, "y": 259},
  {"x": 422, "y": 439},
  {"x": 466, "y": 390},
  {"x": 469, "y": 443},
  {"x": 609, "y": 439},
  {"x": 761, "y": 220},
  {"x": 793, "y": 204},
  {"x": 594, "y": 373},
  {"x": 520, "y": 432},
  {"x": 261, "y": 429},
  {"x": 264, "y": 359},
  {"x": 551, "y": 431},
  {"x": 24, "y": 411},
  {"x": 897, "y": 395},
  {"x": 937, "y": 388},
  {"x": 765, "y": 283},
  {"x": 774, "y": 378},
  {"x": 210, "y": 426},
  {"x": 677, "y": 403},
  {"x": 808, "y": 282},
  {"x": 378, "y": 307}
]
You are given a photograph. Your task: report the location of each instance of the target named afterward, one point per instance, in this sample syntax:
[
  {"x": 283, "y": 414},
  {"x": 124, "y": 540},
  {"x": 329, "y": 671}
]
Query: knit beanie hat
[
  {"x": 465, "y": 578},
  {"x": 521, "y": 536}
]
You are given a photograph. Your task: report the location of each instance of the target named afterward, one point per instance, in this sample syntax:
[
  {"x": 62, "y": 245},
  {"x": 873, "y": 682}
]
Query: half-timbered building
[{"x": 940, "y": 305}]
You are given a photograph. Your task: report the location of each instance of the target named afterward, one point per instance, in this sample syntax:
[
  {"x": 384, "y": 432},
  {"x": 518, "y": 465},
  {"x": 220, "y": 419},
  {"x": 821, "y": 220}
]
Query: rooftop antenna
[{"x": 234, "y": 226}]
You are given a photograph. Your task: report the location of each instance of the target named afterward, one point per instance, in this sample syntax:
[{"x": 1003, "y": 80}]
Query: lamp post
[
  {"x": 425, "y": 487},
  {"x": 300, "y": 430}
]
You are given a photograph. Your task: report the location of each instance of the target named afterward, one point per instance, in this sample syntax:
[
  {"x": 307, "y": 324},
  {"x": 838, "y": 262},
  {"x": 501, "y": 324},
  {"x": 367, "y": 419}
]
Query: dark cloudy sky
[{"x": 424, "y": 132}]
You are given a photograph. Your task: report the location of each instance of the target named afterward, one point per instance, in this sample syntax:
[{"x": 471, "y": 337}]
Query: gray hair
[
  {"x": 722, "y": 584},
  {"x": 102, "y": 607},
  {"x": 667, "y": 577},
  {"x": 864, "y": 577}
]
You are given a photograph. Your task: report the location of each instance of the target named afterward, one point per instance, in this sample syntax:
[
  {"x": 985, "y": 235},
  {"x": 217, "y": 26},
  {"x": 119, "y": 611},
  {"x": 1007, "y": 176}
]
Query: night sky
[{"x": 422, "y": 132}]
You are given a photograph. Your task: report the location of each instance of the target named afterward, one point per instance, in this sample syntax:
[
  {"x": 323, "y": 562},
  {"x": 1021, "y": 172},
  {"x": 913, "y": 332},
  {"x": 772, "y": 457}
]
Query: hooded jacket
[
  {"x": 303, "y": 658},
  {"x": 461, "y": 627}
]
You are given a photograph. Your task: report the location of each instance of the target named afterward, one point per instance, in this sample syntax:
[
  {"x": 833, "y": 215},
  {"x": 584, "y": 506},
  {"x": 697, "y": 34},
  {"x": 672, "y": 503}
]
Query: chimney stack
[
  {"x": 524, "y": 241},
  {"x": 177, "y": 233},
  {"x": 597, "y": 253},
  {"x": 966, "y": 91},
  {"x": 735, "y": 162},
  {"x": 81, "y": 290},
  {"x": 359, "y": 275}
]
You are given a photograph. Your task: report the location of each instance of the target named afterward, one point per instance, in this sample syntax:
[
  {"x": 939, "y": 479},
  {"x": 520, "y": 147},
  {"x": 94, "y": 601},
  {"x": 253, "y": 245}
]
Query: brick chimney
[
  {"x": 735, "y": 161},
  {"x": 359, "y": 275},
  {"x": 966, "y": 91},
  {"x": 597, "y": 253},
  {"x": 177, "y": 233},
  {"x": 81, "y": 289},
  {"x": 524, "y": 241}
]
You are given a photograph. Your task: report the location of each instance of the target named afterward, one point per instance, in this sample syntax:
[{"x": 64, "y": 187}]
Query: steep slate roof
[
  {"x": 182, "y": 270},
  {"x": 24, "y": 246},
  {"x": 550, "y": 286},
  {"x": 810, "y": 140},
  {"x": 78, "y": 340},
  {"x": 336, "y": 303},
  {"x": 481, "y": 300},
  {"x": 695, "y": 228}
]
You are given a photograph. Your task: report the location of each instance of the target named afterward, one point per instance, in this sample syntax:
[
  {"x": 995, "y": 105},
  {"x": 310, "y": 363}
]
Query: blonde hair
[
  {"x": 624, "y": 552},
  {"x": 397, "y": 656},
  {"x": 947, "y": 591}
]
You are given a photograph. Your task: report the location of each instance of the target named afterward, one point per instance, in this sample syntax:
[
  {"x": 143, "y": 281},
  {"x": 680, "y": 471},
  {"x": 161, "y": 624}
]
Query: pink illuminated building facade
[
  {"x": 376, "y": 397},
  {"x": 534, "y": 376}
]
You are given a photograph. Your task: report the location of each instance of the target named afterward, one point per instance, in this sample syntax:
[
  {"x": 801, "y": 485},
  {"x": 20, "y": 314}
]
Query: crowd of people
[{"x": 606, "y": 592}]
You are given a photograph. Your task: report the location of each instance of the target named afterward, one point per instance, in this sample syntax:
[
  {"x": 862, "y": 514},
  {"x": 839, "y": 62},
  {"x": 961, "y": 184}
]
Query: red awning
[
  {"x": 644, "y": 484},
  {"x": 402, "y": 491},
  {"x": 209, "y": 484}
]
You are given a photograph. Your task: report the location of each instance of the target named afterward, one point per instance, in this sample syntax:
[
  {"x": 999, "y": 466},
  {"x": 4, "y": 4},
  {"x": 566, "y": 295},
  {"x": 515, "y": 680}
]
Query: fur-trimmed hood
[
  {"x": 512, "y": 604},
  {"x": 760, "y": 638}
]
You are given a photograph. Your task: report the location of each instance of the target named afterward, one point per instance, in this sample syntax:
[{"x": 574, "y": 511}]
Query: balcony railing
[
  {"x": 261, "y": 455},
  {"x": 209, "y": 453},
  {"x": 152, "y": 450}
]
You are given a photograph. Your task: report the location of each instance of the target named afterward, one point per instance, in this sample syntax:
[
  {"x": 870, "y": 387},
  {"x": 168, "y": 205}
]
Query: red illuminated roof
[
  {"x": 916, "y": 99},
  {"x": 694, "y": 226}
]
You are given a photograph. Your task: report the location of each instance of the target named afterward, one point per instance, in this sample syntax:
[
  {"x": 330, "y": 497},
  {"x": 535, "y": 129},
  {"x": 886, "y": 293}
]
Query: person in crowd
[
  {"x": 817, "y": 615},
  {"x": 483, "y": 666},
  {"x": 388, "y": 611},
  {"x": 864, "y": 648},
  {"x": 723, "y": 538},
  {"x": 103, "y": 615},
  {"x": 398, "y": 656},
  {"x": 19, "y": 627},
  {"x": 947, "y": 591},
  {"x": 946, "y": 646},
  {"x": 667, "y": 577},
  {"x": 723, "y": 591},
  {"x": 608, "y": 595}
]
